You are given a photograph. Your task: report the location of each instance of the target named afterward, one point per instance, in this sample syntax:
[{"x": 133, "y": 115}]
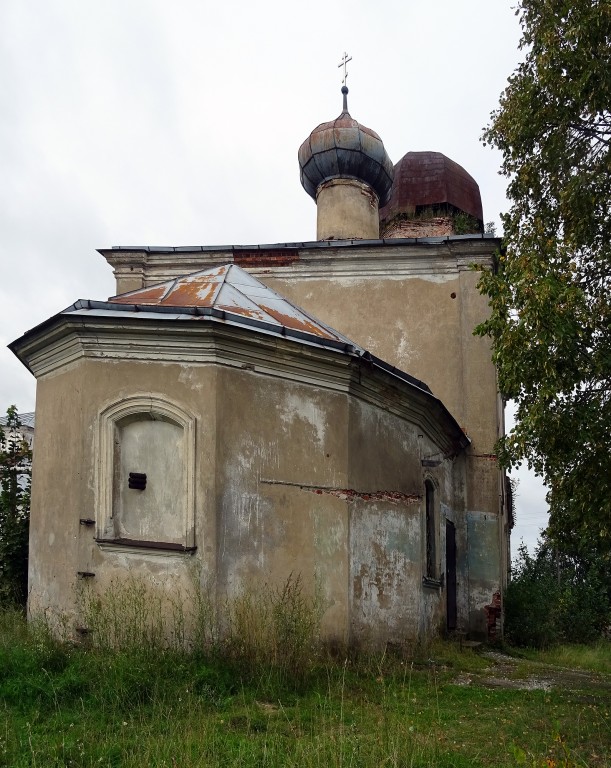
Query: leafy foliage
[
  {"x": 557, "y": 596},
  {"x": 550, "y": 298},
  {"x": 464, "y": 224},
  {"x": 15, "y": 473}
]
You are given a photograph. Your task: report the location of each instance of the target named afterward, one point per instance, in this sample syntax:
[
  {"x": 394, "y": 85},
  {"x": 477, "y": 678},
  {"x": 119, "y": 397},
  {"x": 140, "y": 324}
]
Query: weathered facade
[{"x": 269, "y": 443}]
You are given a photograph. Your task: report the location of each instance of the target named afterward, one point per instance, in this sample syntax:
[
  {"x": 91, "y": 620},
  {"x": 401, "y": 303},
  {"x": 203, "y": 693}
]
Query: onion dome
[
  {"x": 430, "y": 180},
  {"x": 344, "y": 149}
]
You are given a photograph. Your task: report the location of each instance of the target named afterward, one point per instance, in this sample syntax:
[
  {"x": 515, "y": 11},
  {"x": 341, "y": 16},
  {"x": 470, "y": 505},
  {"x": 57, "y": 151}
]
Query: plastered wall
[{"x": 290, "y": 478}]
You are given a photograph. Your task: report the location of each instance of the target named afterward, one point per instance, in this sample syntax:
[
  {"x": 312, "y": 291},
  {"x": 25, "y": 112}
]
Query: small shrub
[
  {"x": 128, "y": 615},
  {"x": 551, "y": 600},
  {"x": 464, "y": 224}
]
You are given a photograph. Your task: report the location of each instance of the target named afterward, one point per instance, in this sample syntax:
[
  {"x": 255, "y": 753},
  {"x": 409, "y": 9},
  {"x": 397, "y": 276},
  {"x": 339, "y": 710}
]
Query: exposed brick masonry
[{"x": 440, "y": 226}]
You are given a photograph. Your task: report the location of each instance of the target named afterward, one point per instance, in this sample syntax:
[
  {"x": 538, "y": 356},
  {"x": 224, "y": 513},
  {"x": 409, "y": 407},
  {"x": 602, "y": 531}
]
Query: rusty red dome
[{"x": 431, "y": 180}]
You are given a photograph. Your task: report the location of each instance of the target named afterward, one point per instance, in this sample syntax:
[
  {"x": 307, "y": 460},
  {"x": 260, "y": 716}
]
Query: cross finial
[{"x": 343, "y": 63}]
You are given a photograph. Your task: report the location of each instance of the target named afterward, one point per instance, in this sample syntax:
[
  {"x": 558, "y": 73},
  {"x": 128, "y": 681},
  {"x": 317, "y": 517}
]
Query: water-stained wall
[{"x": 315, "y": 470}]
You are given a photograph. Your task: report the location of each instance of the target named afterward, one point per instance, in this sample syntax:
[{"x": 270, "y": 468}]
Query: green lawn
[{"x": 62, "y": 705}]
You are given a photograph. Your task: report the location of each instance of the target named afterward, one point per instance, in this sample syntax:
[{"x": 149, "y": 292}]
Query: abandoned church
[{"x": 315, "y": 408}]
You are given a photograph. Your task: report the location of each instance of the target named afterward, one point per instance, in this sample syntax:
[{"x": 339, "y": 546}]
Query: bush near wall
[{"x": 556, "y": 597}]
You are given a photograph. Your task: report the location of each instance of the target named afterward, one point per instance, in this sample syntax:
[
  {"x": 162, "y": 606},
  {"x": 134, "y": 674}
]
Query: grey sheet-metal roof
[
  {"x": 230, "y": 295},
  {"x": 296, "y": 246},
  {"x": 230, "y": 289},
  {"x": 26, "y": 419}
]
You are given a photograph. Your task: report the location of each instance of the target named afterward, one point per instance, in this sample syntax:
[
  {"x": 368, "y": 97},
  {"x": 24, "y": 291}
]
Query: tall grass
[
  {"x": 265, "y": 629},
  {"x": 275, "y": 629},
  {"x": 591, "y": 658},
  {"x": 264, "y": 692}
]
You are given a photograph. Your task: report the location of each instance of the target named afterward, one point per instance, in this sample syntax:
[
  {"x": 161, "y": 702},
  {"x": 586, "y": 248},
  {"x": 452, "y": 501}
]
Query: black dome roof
[{"x": 345, "y": 149}]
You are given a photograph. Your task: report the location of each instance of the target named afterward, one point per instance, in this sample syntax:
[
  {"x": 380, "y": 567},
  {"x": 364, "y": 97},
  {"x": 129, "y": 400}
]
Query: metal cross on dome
[{"x": 343, "y": 63}]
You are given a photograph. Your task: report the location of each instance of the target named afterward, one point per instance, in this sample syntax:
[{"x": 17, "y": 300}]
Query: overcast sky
[{"x": 151, "y": 122}]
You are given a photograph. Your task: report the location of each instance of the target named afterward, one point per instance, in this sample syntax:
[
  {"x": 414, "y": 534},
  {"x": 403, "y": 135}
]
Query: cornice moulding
[
  {"x": 389, "y": 259},
  {"x": 71, "y": 339}
]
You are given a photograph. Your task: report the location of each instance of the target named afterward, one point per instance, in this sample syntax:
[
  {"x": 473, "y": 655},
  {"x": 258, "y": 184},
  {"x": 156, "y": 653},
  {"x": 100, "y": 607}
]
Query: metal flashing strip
[
  {"x": 394, "y": 371},
  {"x": 147, "y": 311},
  {"x": 383, "y": 242}
]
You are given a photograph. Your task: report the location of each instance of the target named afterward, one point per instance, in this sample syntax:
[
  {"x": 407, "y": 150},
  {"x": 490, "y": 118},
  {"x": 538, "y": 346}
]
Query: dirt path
[{"x": 520, "y": 674}]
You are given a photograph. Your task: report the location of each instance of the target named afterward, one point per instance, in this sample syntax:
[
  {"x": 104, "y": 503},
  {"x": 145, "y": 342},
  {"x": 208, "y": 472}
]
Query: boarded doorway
[{"x": 451, "y": 575}]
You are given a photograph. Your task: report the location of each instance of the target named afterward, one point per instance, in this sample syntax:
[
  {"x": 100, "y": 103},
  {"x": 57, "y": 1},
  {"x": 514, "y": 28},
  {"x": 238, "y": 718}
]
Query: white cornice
[
  {"x": 384, "y": 259},
  {"x": 67, "y": 339}
]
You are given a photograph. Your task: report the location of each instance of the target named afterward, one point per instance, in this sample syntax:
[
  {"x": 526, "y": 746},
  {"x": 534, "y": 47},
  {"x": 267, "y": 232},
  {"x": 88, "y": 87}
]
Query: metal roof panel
[{"x": 232, "y": 290}]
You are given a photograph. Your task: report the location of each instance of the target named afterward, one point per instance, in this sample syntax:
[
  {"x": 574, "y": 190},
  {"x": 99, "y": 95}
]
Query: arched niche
[{"x": 145, "y": 477}]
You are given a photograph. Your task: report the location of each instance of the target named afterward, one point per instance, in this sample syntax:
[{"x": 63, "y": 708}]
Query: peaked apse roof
[
  {"x": 227, "y": 295},
  {"x": 231, "y": 291}
]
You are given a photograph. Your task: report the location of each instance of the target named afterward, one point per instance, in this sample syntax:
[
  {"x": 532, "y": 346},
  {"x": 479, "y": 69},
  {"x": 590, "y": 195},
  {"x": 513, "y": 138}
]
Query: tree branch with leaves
[
  {"x": 15, "y": 475},
  {"x": 550, "y": 296}
]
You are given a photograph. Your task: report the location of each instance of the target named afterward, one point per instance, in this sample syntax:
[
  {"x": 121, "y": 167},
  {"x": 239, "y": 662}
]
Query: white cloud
[
  {"x": 531, "y": 506},
  {"x": 155, "y": 123}
]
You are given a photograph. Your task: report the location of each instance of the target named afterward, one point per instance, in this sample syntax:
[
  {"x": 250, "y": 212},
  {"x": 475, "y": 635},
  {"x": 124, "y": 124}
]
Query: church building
[{"x": 321, "y": 409}]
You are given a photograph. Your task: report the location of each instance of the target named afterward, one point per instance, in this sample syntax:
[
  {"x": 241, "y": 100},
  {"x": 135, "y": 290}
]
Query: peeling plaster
[
  {"x": 394, "y": 497},
  {"x": 404, "y": 349},
  {"x": 329, "y": 536},
  {"x": 188, "y": 376},
  {"x": 349, "y": 494},
  {"x": 297, "y": 407}
]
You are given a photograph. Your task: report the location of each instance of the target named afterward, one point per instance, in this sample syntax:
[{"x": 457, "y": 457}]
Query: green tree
[
  {"x": 15, "y": 473},
  {"x": 550, "y": 297},
  {"x": 558, "y": 595}
]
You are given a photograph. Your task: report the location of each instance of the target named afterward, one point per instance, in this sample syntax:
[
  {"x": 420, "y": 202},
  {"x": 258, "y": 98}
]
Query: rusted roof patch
[{"x": 229, "y": 289}]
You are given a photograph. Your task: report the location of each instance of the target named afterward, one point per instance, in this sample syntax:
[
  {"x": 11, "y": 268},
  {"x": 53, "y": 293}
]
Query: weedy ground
[{"x": 67, "y": 705}]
